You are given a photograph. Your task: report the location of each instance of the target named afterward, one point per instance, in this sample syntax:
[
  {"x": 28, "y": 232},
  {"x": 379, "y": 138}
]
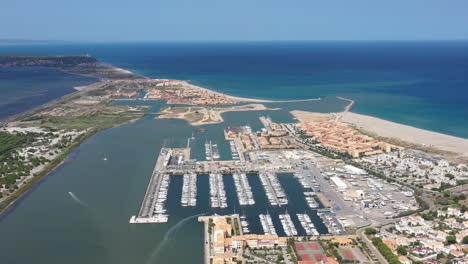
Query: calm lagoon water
[{"x": 22, "y": 89}]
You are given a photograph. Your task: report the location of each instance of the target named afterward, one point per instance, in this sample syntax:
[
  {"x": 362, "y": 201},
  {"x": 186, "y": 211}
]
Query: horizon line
[{"x": 18, "y": 42}]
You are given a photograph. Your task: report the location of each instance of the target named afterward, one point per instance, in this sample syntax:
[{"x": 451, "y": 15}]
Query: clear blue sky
[{"x": 222, "y": 20}]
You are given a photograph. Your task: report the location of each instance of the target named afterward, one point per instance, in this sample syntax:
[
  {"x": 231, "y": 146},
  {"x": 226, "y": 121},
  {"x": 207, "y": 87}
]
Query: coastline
[
  {"x": 454, "y": 148},
  {"x": 450, "y": 147},
  {"x": 199, "y": 115},
  {"x": 102, "y": 69}
]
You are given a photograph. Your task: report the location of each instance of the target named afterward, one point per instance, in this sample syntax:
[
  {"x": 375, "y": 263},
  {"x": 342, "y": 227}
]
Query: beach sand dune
[
  {"x": 454, "y": 148},
  {"x": 304, "y": 116}
]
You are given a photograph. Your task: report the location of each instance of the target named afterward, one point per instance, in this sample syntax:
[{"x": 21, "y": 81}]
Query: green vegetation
[
  {"x": 48, "y": 168},
  {"x": 329, "y": 153},
  {"x": 9, "y": 141},
  {"x": 449, "y": 199},
  {"x": 292, "y": 249},
  {"x": 236, "y": 227},
  {"x": 84, "y": 122},
  {"x": 402, "y": 250},
  {"x": 385, "y": 250},
  {"x": 451, "y": 239},
  {"x": 465, "y": 240},
  {"x": 370, "y": 231},
  {"x": 12, "y": 165},
  {"x": 45, "y": 60},
  {"x": 211, "y": 224}
]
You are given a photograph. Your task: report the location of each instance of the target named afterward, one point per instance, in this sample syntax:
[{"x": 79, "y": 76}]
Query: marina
[
  {"x": 332, "y": 223},
  {"x": 211, "y": 151},
  {"x": 217, "y": 191},
  {"x": 305, "y": 180},
  {"x": 244, "y": 224},
  {"x": 215, "y": 151},
  {"x": 208, "y": 151},
  {"x": 307, "y": 225},
  {"x": 274, "y": 191},
  {"x": 267, "y": 224},
  {"x": 288, "y": 225},
  {"x": 311, "y": 202},
  {"x": 234, "y": 150},
  {"x": 243, "y": 189},
  {"x": 189, "y": 190}
]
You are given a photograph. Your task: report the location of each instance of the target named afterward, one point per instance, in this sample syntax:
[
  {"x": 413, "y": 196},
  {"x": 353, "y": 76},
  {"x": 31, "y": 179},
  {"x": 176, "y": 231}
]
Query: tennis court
[{"x": 310, "y": 251}]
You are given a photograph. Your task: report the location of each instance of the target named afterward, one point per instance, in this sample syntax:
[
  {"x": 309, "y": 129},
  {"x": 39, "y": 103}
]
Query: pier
[
  {"x": 189, "y": 190},
  {"x": 274, "y": 191},
  {"x": 217, "y": 192},
  {"x": 288, "y": 225},
  {"x": 244, "y": 192},
  {"x": 267, "y": 224},
  {"x": 152, "y": 208},
  {"x": 307, "y": 225}
]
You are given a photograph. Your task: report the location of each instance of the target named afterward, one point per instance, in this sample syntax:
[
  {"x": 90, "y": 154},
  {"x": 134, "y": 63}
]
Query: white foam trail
[
  {"x": 169, "y": 234},
  {"x": 76, "y": 199}
]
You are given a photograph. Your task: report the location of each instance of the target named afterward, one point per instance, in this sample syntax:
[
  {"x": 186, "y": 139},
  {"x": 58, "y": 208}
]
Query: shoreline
[
  {"x": 451, "y": 147},
  {"x": 210, "y": 115},
  {"x": 244, "y": 99},
  {"x": 437, "y": 143}
]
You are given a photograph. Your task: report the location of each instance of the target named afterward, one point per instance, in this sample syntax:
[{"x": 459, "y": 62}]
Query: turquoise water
[{"x": 423, "y": 84}]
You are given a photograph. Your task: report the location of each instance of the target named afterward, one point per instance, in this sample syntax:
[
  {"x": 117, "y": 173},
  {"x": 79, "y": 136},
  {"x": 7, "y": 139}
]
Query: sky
[{"x": 235, "y": 20}]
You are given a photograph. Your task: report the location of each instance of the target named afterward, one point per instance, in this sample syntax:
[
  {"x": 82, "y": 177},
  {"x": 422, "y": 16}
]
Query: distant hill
[
  {"x": 21, "y": 60},
  {"x": 13, "y": 42}
]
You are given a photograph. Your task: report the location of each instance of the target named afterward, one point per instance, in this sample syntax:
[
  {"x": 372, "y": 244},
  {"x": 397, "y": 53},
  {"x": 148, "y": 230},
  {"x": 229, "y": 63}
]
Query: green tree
[
  {"x": 465, "y": 240},
  {"x": 370, "y": 231},
  {"x": 402, "y": 250},
  {"x": 451, "y": 239}
]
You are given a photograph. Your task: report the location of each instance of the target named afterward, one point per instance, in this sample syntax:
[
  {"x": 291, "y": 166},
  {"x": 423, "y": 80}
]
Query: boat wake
[
  {"x": 76, "y": 199},
  {"x": 170, "y": 233}
]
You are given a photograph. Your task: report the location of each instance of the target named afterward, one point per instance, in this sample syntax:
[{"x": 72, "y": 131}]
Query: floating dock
[
  {"x": 288, "y": 225},
  {"x": 267, "y": 224},
  {"x": 152, "y": 208},
  {"x": 189, "y": 190},
  {"x": 275, "y": 193},
  {"x": 307, "y": 224},
  {"x": 217, "y": 191},
  {"x": 243, "y": 189}
]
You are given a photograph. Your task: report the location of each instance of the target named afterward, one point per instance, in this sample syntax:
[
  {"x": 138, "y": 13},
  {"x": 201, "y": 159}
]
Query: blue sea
[{"x": 422, "y": 84}]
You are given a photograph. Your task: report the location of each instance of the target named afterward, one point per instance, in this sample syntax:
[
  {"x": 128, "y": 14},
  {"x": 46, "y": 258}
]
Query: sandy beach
[
  {"x": 452, "y": 147},
  {"x": 303, "y": 116}
]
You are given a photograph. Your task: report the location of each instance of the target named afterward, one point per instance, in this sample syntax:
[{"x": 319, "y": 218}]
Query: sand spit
[
  {"x": 304, "y": 116},
  {"x": 452, "y": 147},
  {"x": 203, "y": 115}
]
